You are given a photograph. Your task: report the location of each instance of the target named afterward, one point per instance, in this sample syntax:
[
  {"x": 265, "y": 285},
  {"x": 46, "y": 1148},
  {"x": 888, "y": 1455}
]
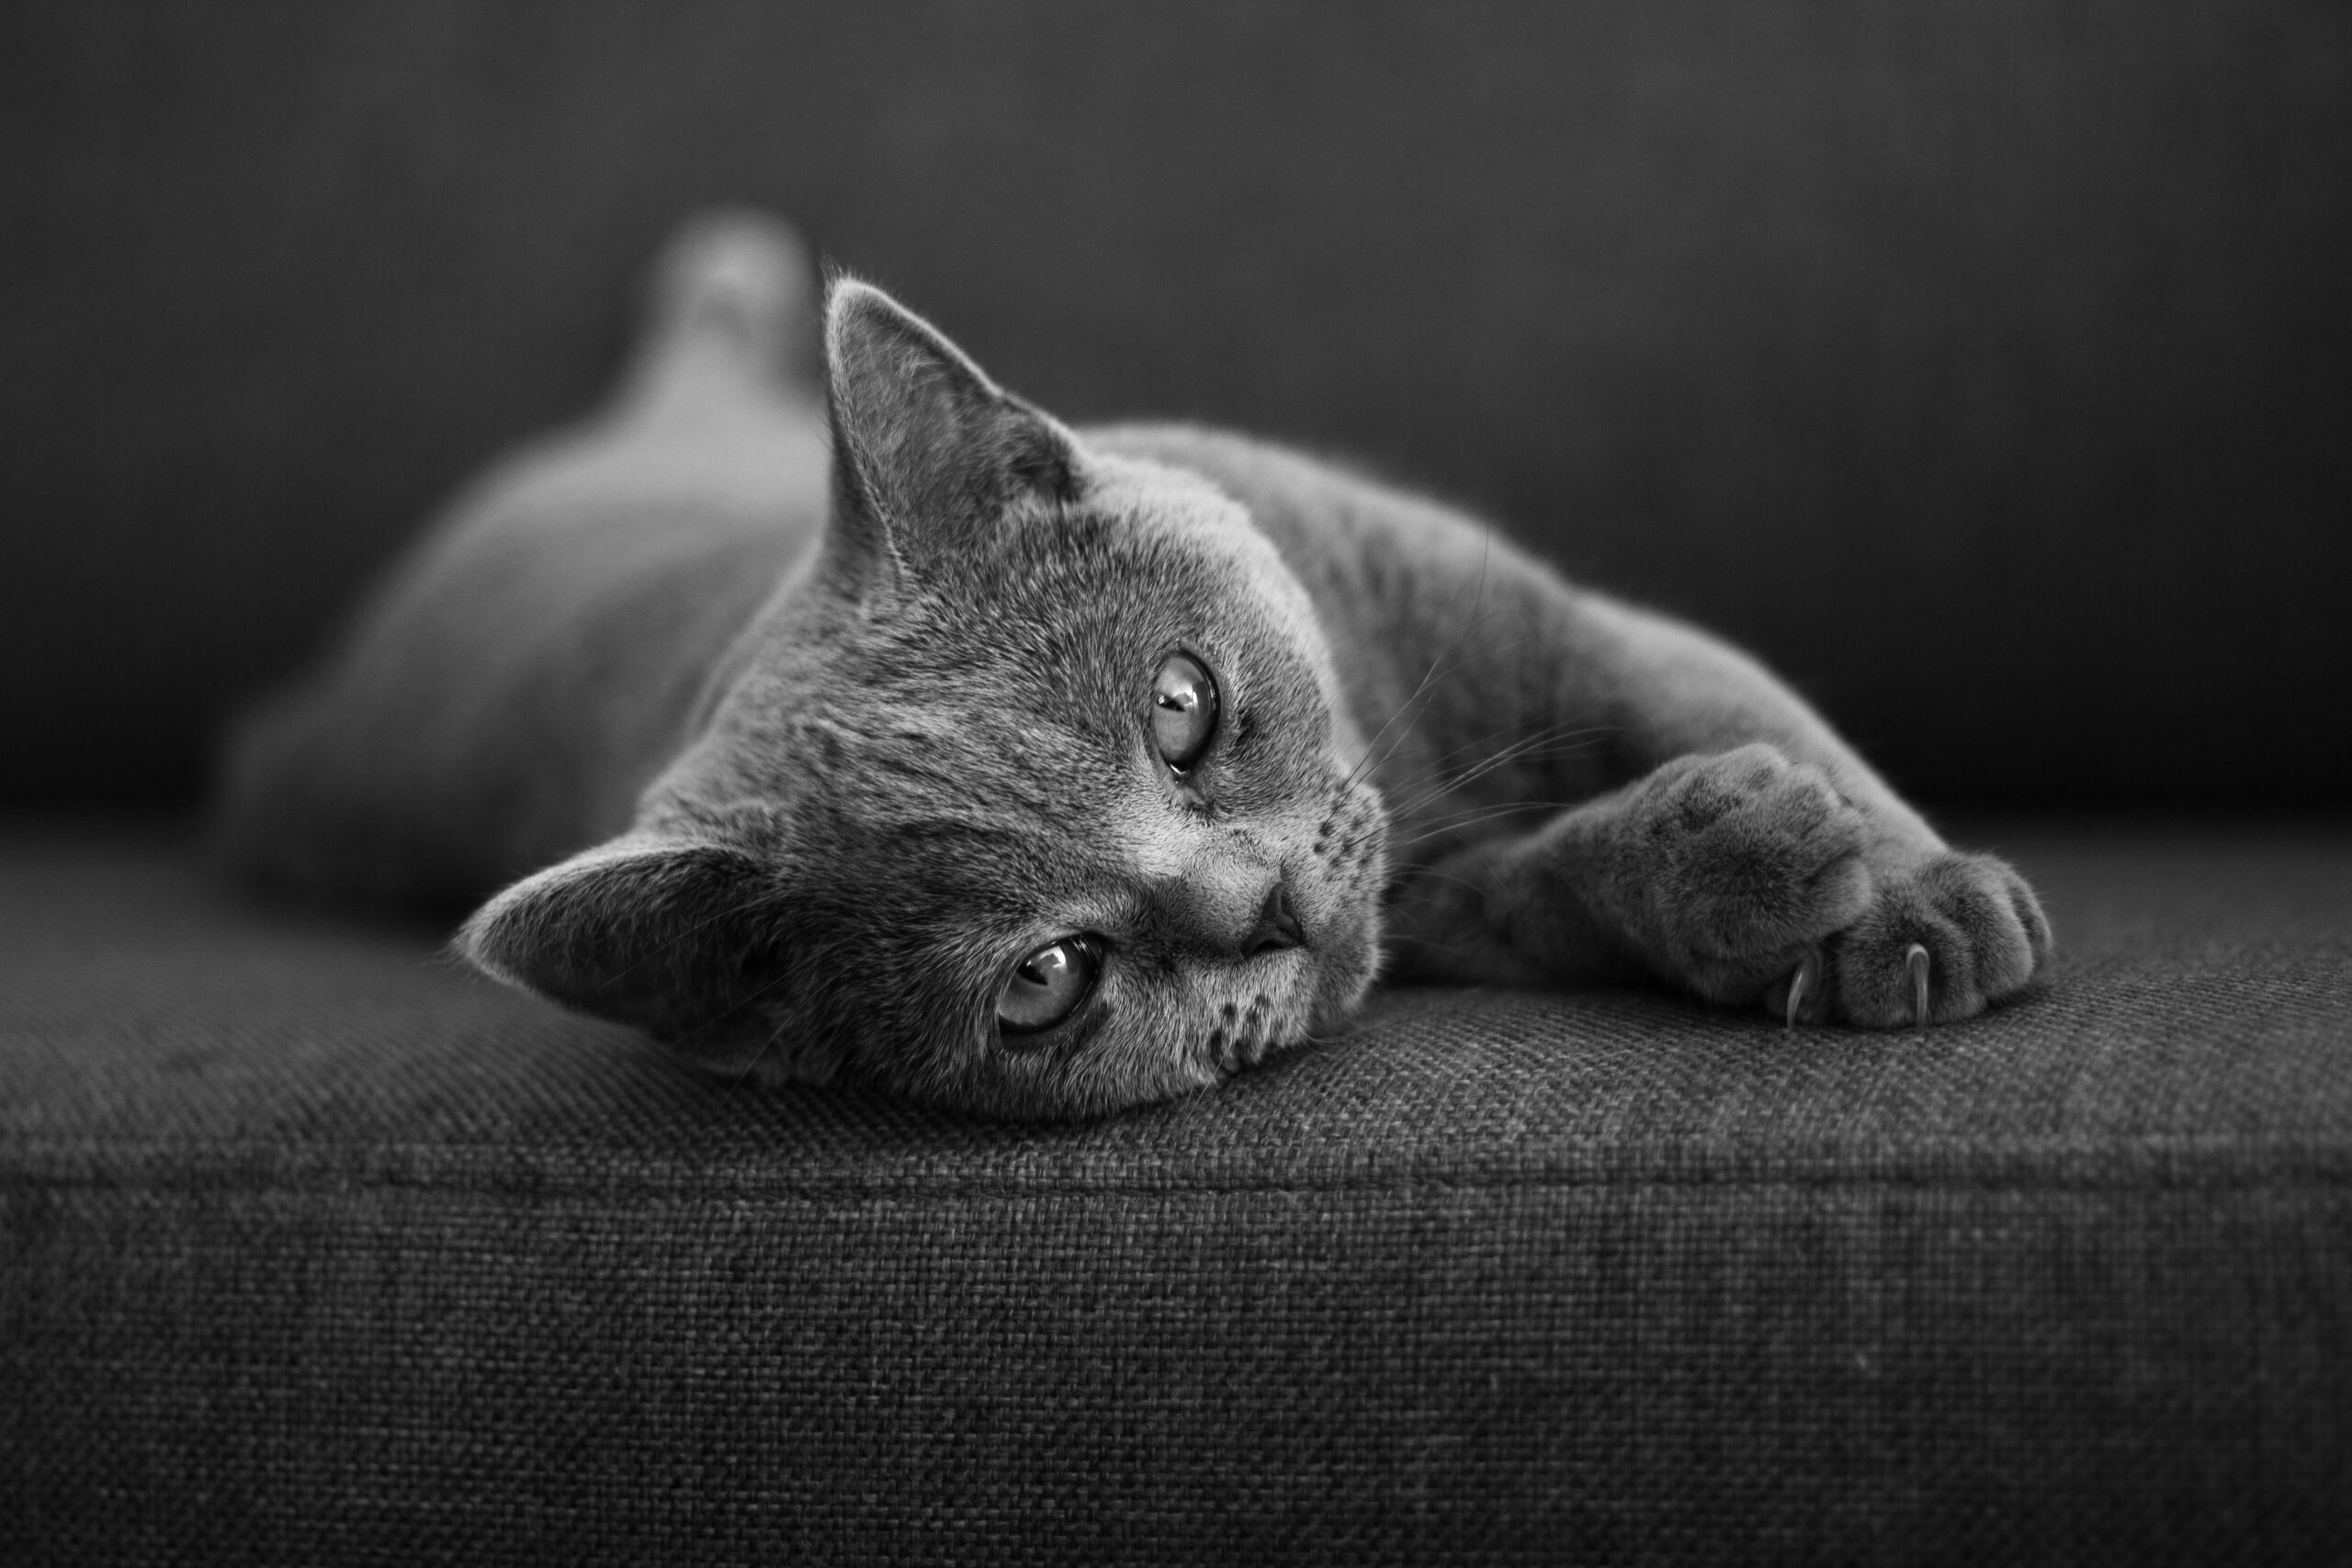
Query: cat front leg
[
  {"x": 1718, "y": 873},
  {"x": 1742, "y": 876},
  {"x": 1746, "y": 853}
]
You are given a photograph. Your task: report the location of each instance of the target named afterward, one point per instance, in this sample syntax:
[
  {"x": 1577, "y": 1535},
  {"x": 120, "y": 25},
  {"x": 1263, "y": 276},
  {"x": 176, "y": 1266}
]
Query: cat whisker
[
  {"x": 1419, "y": 827},
  {"x": 1372, "y": 758},
  {"x": 1568, "y": 744},
  {"x": 761, "y": 1055},
  {"x": 1407, "y": 809},
  {"x": 1429, "y": 676},
  {"x": 1477, "y": 599},
  {"x": 1550, "y": 732},
  {"x": 746, "y": 999},
  {"x": 1462, "y": 882},
  {"x": 1407, "y": 732},
  {"x": 1439, "y": 669},
  {"x": 1413, "y": 814},
  {"x": 1475, "y": 817}
]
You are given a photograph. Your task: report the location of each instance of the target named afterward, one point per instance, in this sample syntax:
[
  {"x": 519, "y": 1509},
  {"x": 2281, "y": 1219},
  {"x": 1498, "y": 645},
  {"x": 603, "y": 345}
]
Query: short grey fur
[{"x": 785, "y": 719}]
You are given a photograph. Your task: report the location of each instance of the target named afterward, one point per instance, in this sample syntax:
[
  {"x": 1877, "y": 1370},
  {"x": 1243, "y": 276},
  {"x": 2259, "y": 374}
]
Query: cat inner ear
[
  {"x": 928, "y": 452},
  {"x": 681, "y": 939}
]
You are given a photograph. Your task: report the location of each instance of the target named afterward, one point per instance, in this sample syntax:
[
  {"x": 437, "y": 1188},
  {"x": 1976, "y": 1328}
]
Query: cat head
[{"x": 1033, "y": 795}]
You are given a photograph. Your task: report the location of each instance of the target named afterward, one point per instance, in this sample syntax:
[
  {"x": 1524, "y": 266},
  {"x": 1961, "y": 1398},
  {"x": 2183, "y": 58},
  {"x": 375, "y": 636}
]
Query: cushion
[{"x": 314, "y": 1247}]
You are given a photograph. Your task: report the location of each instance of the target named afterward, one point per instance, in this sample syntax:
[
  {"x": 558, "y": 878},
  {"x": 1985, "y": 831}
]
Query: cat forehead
[
  {"x": 1136, "y": 527},
  {"x": 1144, "y": 551},
  {"x": 1148, "y": 559},
  {"x": 1153, "y": 495},
  {"x": 1184, "y": 512}
]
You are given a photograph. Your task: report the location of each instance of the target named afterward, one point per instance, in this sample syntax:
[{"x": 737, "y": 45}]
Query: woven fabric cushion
[{"x": 313, "y": 1247}]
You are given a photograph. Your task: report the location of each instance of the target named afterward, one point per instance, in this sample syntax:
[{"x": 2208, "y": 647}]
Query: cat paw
[
  {"x": 1938, "y": 940},
  {"x": 1737, "y": 865}
]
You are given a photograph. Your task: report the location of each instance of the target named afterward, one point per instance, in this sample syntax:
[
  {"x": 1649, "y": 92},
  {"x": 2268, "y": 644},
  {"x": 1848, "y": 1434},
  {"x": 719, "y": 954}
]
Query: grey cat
[{"x": 875, "y": 725}]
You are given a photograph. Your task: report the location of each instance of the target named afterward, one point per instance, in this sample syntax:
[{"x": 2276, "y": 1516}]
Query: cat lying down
[{"x": 878, "y": 727}]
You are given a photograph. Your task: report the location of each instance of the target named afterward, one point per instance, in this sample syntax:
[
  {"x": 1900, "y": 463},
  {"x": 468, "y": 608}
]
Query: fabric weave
[{"x": 318, "y": 1249}]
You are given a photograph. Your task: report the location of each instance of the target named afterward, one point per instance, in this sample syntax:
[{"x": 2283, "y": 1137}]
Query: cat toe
[{"x": 1941, "y": 944}]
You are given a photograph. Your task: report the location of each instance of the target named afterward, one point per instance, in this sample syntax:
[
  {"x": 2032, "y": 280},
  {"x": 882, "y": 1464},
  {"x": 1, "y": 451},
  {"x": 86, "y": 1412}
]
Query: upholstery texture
[{"x": 314, "y": 1248}]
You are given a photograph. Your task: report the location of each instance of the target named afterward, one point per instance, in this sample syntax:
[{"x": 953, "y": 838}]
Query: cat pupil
[{"x": 1184, "y": 709}]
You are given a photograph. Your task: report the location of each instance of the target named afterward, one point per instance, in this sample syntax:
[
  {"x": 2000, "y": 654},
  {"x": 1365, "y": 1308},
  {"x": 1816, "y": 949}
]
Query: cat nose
[
  {"x": 1277, "y": 926},
  {"x": 1229, "y": 907}
]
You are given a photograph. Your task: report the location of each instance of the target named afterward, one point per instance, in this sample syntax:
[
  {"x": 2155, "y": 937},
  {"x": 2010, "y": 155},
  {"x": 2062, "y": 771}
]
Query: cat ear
[
  {"x": 927, "y": 450},
  {"x": 676, "y": 937}
]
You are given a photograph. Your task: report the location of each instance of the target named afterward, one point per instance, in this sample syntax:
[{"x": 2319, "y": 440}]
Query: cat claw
[
  {"x": 1916, "y": 960},
  {"x": 1808, "y": 971}
]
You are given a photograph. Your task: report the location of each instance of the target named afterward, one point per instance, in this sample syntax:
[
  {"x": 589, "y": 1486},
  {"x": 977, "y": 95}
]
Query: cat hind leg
[{"x": 732, "y": 298}]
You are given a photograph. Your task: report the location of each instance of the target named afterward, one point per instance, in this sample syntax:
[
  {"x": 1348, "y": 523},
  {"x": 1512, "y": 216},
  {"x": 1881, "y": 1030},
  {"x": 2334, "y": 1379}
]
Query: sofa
[{"x": 1985, "y": 370}]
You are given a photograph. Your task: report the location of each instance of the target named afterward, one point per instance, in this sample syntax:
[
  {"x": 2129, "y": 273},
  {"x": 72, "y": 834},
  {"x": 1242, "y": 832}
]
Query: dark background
[{"x": 1985, "y": 367}]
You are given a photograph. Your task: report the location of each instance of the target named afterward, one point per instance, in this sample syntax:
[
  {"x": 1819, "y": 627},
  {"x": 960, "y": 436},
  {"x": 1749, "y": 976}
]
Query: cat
[{"x": 833, "y": 713}]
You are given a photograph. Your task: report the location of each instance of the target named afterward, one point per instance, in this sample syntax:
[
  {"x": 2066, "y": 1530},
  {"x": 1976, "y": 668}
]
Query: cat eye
[
  {"x": 1046, "y": 986},
  {"x": 1184, "y": 709}
]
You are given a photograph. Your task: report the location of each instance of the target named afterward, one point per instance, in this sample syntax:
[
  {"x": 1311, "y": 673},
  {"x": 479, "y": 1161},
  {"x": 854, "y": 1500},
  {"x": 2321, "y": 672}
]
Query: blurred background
[{"x": 1987, "y": 368}]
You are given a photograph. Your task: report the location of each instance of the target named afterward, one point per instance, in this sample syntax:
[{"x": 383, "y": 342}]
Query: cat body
[{"x": 891, "y": 731}]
